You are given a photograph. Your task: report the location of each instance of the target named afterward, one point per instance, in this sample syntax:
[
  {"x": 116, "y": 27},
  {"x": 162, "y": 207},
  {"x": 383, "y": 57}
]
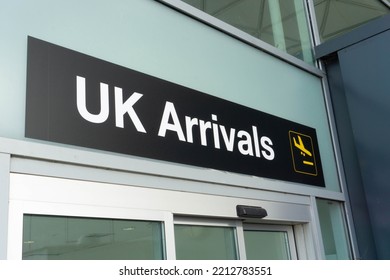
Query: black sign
[{"x": 77, "y": 99}]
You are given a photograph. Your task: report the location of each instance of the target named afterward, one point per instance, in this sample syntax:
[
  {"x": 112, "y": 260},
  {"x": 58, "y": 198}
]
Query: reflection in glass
[
  {"x": 334, "y": 237},
  {"x": 266, "y": 245},
  {"x": 73, "y": 238},
  {"x": 281, "y": 23},
  {"x": 335, "y": 18},
  {"x": 205, "y": 243}
]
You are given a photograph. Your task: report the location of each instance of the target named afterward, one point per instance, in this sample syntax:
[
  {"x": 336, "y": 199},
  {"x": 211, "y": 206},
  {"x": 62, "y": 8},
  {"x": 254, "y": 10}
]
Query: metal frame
[
  {"x": 240, "y": 227},
  {"x": 334, "y": 136},
  {"x": 386, "y": 2},
  {"x": 49, "y": 159},
  {"x": 5, "y": 161},
  {"x": 310, "y": 9},
  {"x": 31, "y": 194},
  {"x": 316, "y": 228},
  {"x": 17, "y": 210},
  {"x": 340, "y": 168}
]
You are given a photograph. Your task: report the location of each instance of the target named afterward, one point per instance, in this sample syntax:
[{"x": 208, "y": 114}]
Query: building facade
[
  {"x": 356, "y": 67},
  {"x": 170, "y": 130}
]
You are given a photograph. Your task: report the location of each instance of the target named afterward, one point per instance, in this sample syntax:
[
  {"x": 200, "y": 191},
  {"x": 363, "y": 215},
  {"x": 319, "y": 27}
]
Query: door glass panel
[
  {"x": 334, "y": 235},
  {"x": 266, "y": 245},
  {"x": 73, "y": 238},
  {"x": 195, "y": 242}
]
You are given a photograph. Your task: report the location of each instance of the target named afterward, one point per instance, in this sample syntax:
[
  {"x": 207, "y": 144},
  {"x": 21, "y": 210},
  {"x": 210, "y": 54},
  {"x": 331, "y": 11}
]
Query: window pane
[
  {"x": 281, "y": 23},
  {"x": 335, "y": 18},
  {"x": 266, "y": 245},
  {"x": 333, "y": 231},
  {"x": 72, "y": 238},
  {"x": 205, "y": 243}
]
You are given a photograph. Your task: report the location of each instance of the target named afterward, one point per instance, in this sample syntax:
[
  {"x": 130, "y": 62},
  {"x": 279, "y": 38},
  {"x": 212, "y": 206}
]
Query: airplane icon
[
  {"x": 303, "y": 150},
  {"x": 301, "y": 146},
  {"x": 303, "y": 155}
]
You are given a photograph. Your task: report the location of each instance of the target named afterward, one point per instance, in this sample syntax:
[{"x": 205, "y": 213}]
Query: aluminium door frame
[{"x": 37, "y": 194}]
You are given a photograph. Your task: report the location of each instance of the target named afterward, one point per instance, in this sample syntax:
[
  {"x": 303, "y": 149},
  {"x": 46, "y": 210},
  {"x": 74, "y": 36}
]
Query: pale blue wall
[{"x": 149, "y": 37}]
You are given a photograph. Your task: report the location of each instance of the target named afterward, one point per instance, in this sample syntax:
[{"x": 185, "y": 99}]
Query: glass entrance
[
  {"x": 195, "y": 242},
  {"x": 202, "y": 239},
  {"x": 47, "y": 223},
  {"x": 80, "y": 238},
  {"x": 269, "y": 242},
  {"x": 206, "y": 239}
]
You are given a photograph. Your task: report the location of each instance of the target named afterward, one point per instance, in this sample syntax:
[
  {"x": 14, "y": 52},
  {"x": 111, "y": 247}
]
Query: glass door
[
  {"x": 269, "y": 242},
  {"x": 202, "y": 239},
  {"x": 209, "y": 239},
  {"x": 81, "y": 238}
]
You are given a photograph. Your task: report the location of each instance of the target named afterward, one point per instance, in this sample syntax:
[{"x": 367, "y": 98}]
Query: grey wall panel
[
  {"x": 356, "y": 193},
  {"x": 365, "y": 70}
]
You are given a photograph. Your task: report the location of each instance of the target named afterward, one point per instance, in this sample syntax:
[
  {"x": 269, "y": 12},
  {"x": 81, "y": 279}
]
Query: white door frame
[
  {"x": 31, "y": 194},
  {"x": 17, "y": 209}
]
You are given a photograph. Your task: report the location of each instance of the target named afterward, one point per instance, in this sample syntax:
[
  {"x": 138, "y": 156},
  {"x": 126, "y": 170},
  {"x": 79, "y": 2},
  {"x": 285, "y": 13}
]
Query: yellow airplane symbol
[{"x": 301, "y": 146}]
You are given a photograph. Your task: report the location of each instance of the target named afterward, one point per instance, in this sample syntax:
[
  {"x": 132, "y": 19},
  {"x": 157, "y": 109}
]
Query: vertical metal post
[
  {"x": 311, "y": 15},
  {"x": 4, "y": 202},
  {"x": 316, "y": 229},
  {"x": 333, "y": 131},
  {"x": 277, "y": 24},
  {"x": 303, "y": 30}
]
